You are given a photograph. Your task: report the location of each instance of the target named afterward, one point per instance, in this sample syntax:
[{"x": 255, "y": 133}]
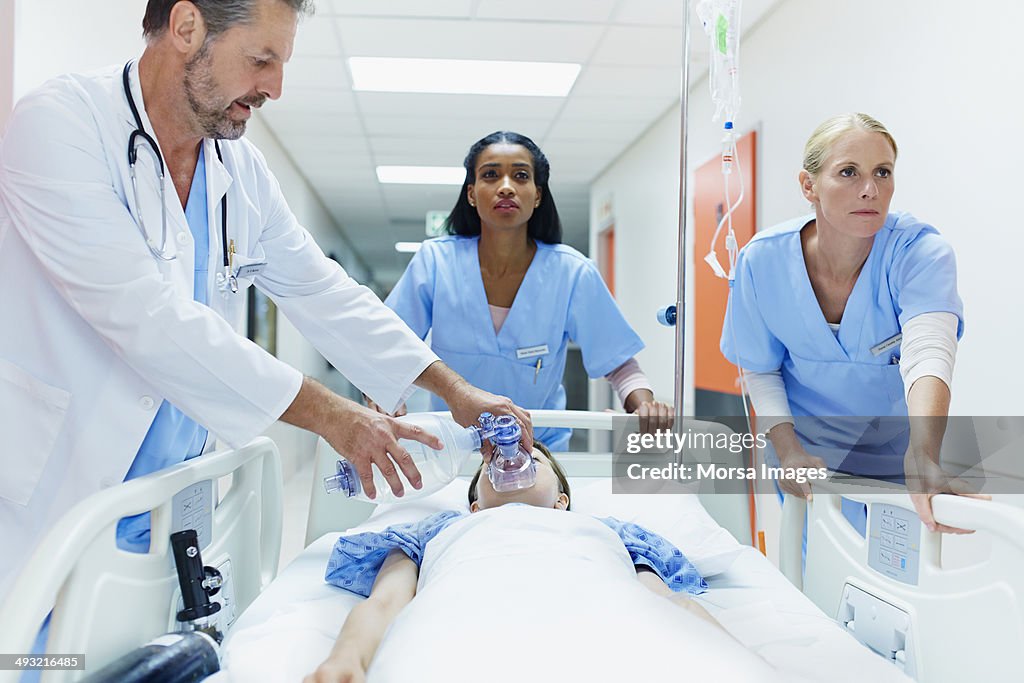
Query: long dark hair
[{"x": 544, "y": 225}]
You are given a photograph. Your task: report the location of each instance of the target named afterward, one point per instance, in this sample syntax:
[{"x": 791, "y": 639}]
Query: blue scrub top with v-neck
[
  {"x": 774, "y": 322},
  {"x": 173, "y": 437},
  {"x": 562, "y": 298}
]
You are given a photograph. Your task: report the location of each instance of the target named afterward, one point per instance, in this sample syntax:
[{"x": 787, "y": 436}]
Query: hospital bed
[{"x": 108, "y": 602}]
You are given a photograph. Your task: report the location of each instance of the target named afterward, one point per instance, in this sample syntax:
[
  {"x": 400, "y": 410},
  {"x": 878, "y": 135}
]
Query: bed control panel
[
  {"x": 192, "y": 508},
  {"x": 894, "y": 546}
]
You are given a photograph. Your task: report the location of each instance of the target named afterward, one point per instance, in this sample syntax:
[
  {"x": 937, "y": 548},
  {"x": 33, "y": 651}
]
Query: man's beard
[{"x": 201, "y": 90}]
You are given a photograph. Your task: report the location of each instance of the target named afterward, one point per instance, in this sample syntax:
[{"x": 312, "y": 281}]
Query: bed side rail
[
  {"x": 951, "y": 612},
  {"x": 107, "y": 601}
]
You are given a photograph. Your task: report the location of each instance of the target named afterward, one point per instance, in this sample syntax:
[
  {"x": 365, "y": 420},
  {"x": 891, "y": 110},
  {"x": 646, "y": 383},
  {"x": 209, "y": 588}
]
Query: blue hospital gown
[{"x": 356, "y": 560}]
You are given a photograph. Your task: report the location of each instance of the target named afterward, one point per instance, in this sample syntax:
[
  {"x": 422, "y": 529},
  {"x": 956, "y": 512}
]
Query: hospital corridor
[{"x": 377, "y": 341}]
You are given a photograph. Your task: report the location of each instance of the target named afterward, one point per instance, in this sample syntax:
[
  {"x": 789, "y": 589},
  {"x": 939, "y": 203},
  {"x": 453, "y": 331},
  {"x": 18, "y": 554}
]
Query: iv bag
[{"x": 721, "y": 20}]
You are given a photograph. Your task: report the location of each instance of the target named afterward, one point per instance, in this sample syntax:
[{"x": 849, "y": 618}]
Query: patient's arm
[
  {"x": 650, "y": 579},
  {"x": 394, "y": 587}
]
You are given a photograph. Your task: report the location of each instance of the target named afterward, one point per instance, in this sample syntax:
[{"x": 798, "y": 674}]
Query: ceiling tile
[
  {"x": 487, "y": 40},
  {"x": 577, "y": 11},
  {"x": 397, "y": 8},
  {"x": 605, "y": 131},
  {"x": 316, "y": 72},
  {"x": 316, "y": 37},
  {"x": 647, "y": 109},
  {"x": 651, "y": 12},
  {"x": 624, "y": 81},
  {"x": 465, "y": 106},
  {"x": 641, "y": 45},
  {"x": 306, "y": 99},
  {"x": 313, "y": 121},
  {"x": 466, "y": 129}
]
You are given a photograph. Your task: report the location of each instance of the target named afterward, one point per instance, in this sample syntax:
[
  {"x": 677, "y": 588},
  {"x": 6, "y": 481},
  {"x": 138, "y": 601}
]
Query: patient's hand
[{"x": 340, "y": 667}]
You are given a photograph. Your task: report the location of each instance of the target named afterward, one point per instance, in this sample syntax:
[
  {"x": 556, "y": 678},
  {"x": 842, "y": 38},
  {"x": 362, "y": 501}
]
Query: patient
[{"x": 523, "y": 566}]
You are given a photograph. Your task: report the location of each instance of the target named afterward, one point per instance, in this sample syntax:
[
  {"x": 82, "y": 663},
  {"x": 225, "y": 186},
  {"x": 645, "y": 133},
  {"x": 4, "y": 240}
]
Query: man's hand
[
  {"x": 467, "y": 402},
  {"x": 362, "y": 436},
  {"x": 925, "y": 479},
  {"x": 369, "y": 402}
]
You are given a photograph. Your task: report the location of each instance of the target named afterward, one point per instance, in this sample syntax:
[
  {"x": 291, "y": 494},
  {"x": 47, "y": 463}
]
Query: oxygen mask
[{"x": 511, "y": 467}]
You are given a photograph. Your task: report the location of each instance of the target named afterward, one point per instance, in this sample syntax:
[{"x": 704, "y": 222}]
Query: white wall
[
  {"x": 641, "y": 190},
  {"x": 58, "y": 36},
  {"x": 296, "y": 444},
  {"x": 947, "y": 84}
]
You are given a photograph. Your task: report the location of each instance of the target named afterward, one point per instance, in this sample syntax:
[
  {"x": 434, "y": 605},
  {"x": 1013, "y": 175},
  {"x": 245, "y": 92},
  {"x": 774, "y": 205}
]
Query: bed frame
[
  {"x": 957, "y": 623},
  {"x": 107, "y": 602}
]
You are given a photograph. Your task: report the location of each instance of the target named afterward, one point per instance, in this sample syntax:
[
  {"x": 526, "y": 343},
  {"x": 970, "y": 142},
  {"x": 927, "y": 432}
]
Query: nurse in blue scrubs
[
  {"x": 502, "y": 297},
  {"x": 851, "y": 312}
]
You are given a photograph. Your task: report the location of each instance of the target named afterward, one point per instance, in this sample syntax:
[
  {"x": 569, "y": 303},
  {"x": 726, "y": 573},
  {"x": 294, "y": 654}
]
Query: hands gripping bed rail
[{"x": 957, "y": 622}]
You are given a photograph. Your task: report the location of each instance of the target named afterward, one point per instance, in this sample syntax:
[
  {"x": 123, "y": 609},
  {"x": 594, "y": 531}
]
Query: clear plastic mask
[{"x": 512, "y": 471}]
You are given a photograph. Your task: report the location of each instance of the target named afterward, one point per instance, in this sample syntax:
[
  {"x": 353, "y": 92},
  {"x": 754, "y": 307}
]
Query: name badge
[
  {"x": 532, "y": 351},
  {"x": 250, "y": 269},
  {"x": 889, "y": 343}
]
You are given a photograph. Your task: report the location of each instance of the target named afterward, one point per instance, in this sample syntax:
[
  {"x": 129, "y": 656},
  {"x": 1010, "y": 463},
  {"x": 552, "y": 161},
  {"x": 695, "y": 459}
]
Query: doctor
[
  {"x": 850, "y": 312},
  {"x": 120, "y": 303},
  {"x": 503, "y": 297}
]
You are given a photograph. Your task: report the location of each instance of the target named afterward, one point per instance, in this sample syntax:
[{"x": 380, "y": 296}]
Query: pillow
[{"x": 679, "y": 518}]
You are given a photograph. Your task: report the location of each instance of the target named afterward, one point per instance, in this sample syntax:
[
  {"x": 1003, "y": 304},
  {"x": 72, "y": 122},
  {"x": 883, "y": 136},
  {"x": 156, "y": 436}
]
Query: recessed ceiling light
[
  {"x": 422, "y": 175},
  {"x": 408, "y": 247},
  {"x": 463, "y": 76}
]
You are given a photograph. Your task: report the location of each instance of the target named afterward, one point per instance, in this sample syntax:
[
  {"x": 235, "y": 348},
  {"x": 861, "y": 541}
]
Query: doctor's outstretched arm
[
  {"x": 368, "y": 438},
  {"x": 363, "y": 436}
]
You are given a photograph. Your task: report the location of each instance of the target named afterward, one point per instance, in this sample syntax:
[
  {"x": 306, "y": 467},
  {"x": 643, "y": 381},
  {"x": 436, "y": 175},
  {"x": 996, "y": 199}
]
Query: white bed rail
[
  {"x": 334, "y": 513},
  {"x": 107, "y": 601},
  {"x": 964, "y": 622}
]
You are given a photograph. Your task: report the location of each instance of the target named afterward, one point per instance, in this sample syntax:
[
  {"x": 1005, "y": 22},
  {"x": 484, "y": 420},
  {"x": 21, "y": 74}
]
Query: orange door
[{"x": 712, "y": 372}]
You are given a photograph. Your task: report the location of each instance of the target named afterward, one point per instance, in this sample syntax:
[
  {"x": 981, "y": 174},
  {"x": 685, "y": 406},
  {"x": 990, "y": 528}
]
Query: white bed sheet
[{"x": 291, "y": 627}]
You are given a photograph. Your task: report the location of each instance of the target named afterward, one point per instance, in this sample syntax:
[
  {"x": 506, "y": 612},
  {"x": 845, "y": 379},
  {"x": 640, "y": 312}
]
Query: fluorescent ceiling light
[
  {"x": 422, "y": 175},
  {"x": 462, "y": 76},
  {"x": 408, "y": 247}
]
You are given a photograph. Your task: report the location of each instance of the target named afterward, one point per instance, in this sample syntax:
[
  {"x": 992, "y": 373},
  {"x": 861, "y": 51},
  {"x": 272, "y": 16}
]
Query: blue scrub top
[
  {"x": 774, "y": 322},
  {"x": 173, "y": 437},
  {"x": 562, "y": 298}
]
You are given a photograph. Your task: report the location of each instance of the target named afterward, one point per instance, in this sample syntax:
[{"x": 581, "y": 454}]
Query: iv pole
[{"x": 680, "y": 310}]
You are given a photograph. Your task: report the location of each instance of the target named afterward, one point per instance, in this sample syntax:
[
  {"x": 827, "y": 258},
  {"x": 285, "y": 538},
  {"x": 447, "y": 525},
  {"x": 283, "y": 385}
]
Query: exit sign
[{"x": 435, "y": 223}]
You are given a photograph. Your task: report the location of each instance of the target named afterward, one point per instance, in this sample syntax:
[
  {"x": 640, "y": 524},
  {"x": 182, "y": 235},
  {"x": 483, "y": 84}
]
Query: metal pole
[{"x": 683, "y": 211}]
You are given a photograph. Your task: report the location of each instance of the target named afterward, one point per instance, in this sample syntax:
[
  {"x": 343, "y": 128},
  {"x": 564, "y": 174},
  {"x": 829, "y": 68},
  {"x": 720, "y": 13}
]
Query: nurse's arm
[
  {"x": 467, "y": 401},
  {"x": 928, "y": 407},
  {"x": 393, "y": 589}
]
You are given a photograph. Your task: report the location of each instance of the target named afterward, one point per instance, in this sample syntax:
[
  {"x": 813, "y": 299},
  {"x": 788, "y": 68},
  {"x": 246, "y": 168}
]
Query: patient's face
[{"x": 544, "y": 493}]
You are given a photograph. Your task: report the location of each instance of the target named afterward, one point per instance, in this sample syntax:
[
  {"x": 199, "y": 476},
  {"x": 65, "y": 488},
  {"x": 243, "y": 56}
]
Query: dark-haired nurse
[{"x": 503, "y": 297}]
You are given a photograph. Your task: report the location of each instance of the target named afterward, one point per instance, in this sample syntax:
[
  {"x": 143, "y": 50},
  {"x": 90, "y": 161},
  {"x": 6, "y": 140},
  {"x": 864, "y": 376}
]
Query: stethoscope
[{"x": 158, "y": 250}]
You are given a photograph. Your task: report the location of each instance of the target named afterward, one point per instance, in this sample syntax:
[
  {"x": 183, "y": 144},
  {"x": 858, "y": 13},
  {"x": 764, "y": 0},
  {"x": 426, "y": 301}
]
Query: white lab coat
[{"x": 96, "y": 332}]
